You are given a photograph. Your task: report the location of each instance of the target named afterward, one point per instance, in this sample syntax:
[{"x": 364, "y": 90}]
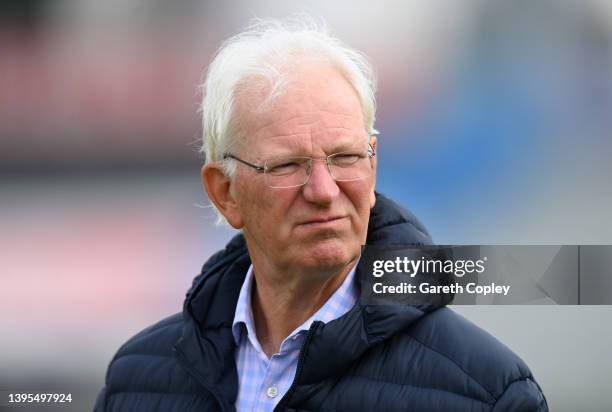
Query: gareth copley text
[{"x": 426, "y": 288}]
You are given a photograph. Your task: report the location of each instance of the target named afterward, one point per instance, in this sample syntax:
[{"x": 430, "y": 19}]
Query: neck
[{"x": 281, "y": 303}]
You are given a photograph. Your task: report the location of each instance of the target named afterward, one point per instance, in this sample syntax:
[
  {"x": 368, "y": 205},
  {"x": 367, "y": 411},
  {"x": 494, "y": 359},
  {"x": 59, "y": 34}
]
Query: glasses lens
[
  {"x": 287, "y": 171},
  {"x": 294, "y": 171},
  {"x": 350, "y": 166}
]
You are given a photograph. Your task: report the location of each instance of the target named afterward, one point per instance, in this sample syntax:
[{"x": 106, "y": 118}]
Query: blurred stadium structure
[{"x": 495, "y": 121}]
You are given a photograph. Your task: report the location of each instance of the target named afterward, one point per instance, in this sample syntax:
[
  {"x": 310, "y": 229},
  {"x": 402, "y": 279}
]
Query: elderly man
[{"x": 275, "y": 320}]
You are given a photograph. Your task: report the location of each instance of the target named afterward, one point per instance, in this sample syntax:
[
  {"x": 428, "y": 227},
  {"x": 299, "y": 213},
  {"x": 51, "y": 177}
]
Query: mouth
[{"x": 324, "y": 221}]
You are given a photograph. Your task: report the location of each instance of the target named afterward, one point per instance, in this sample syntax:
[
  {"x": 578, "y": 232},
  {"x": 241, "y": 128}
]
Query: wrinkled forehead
[{"x": 316, "y": 111}]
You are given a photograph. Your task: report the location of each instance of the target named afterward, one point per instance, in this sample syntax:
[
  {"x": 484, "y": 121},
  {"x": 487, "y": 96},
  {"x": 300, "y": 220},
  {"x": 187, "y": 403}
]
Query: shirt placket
[{"x": 278, "y": 377}]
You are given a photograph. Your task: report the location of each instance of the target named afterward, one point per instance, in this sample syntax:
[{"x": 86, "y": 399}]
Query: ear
[
  {"x": 220, "y": 192},
  {"x": 373, "y": 143}
]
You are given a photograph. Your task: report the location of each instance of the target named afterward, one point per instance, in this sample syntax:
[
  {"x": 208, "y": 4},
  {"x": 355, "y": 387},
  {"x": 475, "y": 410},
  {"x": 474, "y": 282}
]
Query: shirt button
[{"x": 272, "y": 392}]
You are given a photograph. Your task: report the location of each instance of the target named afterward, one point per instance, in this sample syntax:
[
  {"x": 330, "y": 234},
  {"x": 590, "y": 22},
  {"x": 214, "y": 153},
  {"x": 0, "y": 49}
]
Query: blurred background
[{"x": 495, "y": 121}]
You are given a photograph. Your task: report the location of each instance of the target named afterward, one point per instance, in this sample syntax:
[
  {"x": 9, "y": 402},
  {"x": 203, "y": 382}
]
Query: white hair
[{"x": 265, "y": 54}]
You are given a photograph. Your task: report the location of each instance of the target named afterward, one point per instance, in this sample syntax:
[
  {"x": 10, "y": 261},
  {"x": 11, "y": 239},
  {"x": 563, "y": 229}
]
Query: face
[{"x": 322, "y": 224}]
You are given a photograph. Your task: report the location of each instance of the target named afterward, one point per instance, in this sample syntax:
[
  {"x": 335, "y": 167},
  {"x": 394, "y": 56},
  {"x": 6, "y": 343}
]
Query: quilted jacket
[{"x": 375, "y": 357}]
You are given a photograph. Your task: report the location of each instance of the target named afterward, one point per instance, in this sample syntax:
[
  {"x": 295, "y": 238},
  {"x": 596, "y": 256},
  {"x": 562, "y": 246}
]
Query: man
[{"x": 274, "y": 321}]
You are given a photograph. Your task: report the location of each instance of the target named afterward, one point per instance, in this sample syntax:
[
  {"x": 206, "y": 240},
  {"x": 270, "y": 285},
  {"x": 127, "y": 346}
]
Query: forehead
[{"x": 318, "y": 111}]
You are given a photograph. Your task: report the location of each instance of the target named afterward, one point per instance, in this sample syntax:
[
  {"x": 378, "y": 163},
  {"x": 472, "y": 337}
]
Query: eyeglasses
[{"x": 295, "y": 171}]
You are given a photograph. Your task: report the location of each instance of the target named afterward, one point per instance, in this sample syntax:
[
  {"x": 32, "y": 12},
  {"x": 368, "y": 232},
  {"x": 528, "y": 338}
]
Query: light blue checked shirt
[{"x": 262, "y": 382}]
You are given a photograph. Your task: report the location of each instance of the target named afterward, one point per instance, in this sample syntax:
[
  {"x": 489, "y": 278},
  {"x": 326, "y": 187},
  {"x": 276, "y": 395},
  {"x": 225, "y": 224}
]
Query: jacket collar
[{"x": 207, "y": 342}]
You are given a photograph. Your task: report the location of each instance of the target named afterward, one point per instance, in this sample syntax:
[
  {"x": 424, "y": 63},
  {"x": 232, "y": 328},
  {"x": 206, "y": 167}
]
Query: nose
[{"x": 321, "y": 187}]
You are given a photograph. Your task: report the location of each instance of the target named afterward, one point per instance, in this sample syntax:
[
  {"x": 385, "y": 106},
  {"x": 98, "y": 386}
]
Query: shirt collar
[
  {"x": 340, "y": 302},
  {"x": 244, "y": 314}
]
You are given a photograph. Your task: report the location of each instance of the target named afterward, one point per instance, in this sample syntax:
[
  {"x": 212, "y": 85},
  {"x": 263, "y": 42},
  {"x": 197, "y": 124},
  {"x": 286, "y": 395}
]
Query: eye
[
  {"x": 284, "y": 166},
  {"x": 346, "y": 159}
]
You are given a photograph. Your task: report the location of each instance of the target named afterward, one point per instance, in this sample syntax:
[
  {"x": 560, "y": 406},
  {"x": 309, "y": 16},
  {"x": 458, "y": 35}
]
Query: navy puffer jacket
[{"x": 386, "y": 358}]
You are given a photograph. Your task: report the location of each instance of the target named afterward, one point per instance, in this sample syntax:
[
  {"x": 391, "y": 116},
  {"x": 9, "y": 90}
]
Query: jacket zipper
[
  {"x": 198, "y": 377},
  {"x": 300, "y": 366}
]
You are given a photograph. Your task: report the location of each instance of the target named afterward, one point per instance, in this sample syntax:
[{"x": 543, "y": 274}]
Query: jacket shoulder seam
[
  {"x": 512, "y": 382},
  {"x": 153, "y": 329},
  {"x": 456, "y": 364}
]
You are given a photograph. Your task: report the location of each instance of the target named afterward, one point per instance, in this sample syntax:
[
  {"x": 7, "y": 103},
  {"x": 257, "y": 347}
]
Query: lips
[{"x": 323, "y": 220}]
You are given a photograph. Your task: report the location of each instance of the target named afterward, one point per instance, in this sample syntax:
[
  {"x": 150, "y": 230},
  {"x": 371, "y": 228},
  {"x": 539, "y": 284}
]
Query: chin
[{"x": 329, "y": 254}]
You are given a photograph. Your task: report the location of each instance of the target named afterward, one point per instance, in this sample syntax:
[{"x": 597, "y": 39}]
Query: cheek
[
  {"x": 266, "y": 209},
  {"x": 249, "y": 202},
  {"x": 360, "y": 195},
  {"x": 357, "y": 195}
]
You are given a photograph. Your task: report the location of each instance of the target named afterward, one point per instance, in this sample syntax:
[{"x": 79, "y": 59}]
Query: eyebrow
[
  {"x": 343, "y": 139},
  {"x": 344, "y": 146},
  {"x": 337, "y": 148}
]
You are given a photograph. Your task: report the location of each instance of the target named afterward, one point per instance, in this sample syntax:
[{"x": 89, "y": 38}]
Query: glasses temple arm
[{"x": 259, "y": 169}]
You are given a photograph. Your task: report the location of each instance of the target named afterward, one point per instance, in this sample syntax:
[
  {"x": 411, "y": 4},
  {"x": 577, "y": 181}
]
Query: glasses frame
[{"x": 262, "y": 169}]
